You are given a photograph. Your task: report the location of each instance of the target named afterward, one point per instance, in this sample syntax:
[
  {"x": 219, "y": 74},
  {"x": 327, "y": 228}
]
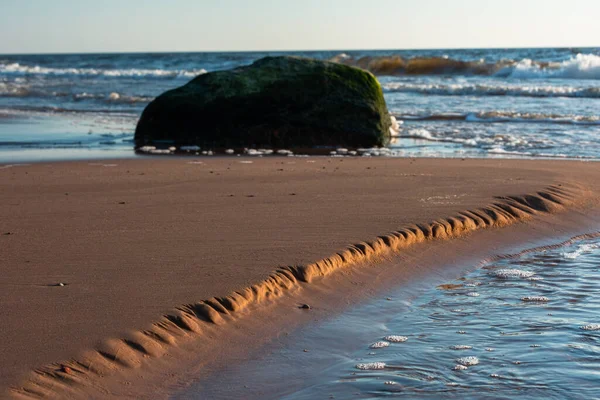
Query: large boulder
[{"x": 277, "y": 102}]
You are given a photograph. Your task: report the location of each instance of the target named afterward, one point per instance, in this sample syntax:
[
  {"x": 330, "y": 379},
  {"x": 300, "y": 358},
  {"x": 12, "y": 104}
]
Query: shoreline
[
  {"x": 310, "y": 355},
  {"x": 118, "y": 154},
  {"x": 353, "y": 184}
]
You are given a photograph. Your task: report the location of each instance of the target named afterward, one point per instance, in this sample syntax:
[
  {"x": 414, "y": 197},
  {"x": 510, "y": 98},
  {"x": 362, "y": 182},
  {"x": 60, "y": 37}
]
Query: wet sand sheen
[{"x": 132, "y": 240}]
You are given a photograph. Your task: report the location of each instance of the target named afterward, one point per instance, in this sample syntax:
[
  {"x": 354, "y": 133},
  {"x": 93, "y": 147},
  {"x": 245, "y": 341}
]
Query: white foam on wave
[
  {"x": 512, "y": 116},
  {"x": 461, "y": 347},
  {"x": 370, "y": 366},
  {"x": 395, "y": 339},
  {"x": 501, "y": 151},
  {"x": 493, "y": 89},
  {"x": 468, "y": 361},
  {"x": 16, "y": 68},
  {"x": 505, "y": 116},
  {"x": 115, "y": 97},
  {"x": 582, "y": 66},
  {"x": 379, "y": 345},
  {"x": 422, "y": 134},
  {"x": 508, "y": 273},
  {"x": 395, "y": 128},
  {"x": 590, "y": 327},
  {"x": 582, "y": 249},
  {"x": 535, "y": 299}
]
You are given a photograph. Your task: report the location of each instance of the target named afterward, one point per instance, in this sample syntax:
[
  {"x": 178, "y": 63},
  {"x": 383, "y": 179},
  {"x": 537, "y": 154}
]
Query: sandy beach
[{"x": 116, "y": 266}]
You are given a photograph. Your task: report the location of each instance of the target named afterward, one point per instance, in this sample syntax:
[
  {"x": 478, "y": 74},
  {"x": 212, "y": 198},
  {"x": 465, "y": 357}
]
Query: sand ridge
[{"x": 186, "y": 322}]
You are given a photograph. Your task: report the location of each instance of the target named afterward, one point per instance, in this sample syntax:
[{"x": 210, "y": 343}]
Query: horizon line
[{"x": 296, "y": 50}]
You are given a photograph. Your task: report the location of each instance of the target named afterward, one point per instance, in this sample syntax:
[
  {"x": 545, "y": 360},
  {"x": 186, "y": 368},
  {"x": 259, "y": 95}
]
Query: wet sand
[{"x": 133, "y": 239}]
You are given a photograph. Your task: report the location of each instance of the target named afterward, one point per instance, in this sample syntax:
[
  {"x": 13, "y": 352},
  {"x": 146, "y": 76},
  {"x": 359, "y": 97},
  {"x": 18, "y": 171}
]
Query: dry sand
[{"x": 133, "y": 239}]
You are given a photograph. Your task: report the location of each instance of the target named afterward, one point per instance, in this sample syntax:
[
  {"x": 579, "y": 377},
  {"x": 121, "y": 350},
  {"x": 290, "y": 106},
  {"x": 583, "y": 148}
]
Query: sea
[
  {"x": 523, "y": 325},
  {"x": 526, "y": 103}
]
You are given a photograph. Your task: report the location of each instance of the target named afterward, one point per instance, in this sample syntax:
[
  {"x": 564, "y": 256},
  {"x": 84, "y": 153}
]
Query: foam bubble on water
[
  {"x": 590, "y": 327},
  {"x": 582, "y": 249},
  {"x": 459, "y": 367},
  {"x": 468, "y": 361},
  {"x": 472, "y": 294},
  {"x": 253, "y": 152},
  {"x": 461, "y": 347},
  {"x": 421, "y": 133},
  {"x": 370, "y": 366},
  {"x": 540, "y": 299},
  {"x": 389, "y": 383},
  {"x": 461, "y": 332},
  {"x": 507, "y": 273},
  {"x": 489, "y": 349},
  {"x": 379, "y": 345},
  {"x": 500, "y": 150},
  {"x": 395, "y": 339}
]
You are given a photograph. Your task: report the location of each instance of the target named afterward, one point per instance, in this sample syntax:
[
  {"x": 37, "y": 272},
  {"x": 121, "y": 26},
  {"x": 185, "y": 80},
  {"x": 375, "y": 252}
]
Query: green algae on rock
[{"x": 276, "y": 102}]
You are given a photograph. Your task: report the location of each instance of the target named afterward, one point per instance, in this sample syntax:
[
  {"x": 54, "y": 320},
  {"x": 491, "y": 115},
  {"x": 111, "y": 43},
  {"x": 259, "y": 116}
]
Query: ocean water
[
  {"x": 524, "y": 326},
  {"x": 453, "y": 103}
]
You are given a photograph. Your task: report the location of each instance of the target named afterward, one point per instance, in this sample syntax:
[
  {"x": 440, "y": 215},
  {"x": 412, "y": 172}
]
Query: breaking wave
[
  {"x": 580, "y": 66},
  {"x": 506, "y": 116},
  {"x": 24, "y": 91},
  {"x": 469, "y": 89},
  {"x": 18, "y": 69},
  {"x": 20, "y": 110},
  {"x": 113, "y": 97}
]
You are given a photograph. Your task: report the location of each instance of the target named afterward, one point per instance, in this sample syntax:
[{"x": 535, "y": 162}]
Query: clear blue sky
[{"x": 34, "y": 26}]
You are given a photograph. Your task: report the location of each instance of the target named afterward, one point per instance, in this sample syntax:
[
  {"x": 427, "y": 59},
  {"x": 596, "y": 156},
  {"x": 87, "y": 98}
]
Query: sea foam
[
  {"x": 507, "y": 273},
  {"x": 370, "y": 366},
  {"x": 395, "y": 338},
  {"x": 17, "y": 68}
]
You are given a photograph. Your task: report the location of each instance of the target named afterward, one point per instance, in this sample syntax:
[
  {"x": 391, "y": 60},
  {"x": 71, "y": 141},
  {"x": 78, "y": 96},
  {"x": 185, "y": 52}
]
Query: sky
[{"x": 74, "y": 26}]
